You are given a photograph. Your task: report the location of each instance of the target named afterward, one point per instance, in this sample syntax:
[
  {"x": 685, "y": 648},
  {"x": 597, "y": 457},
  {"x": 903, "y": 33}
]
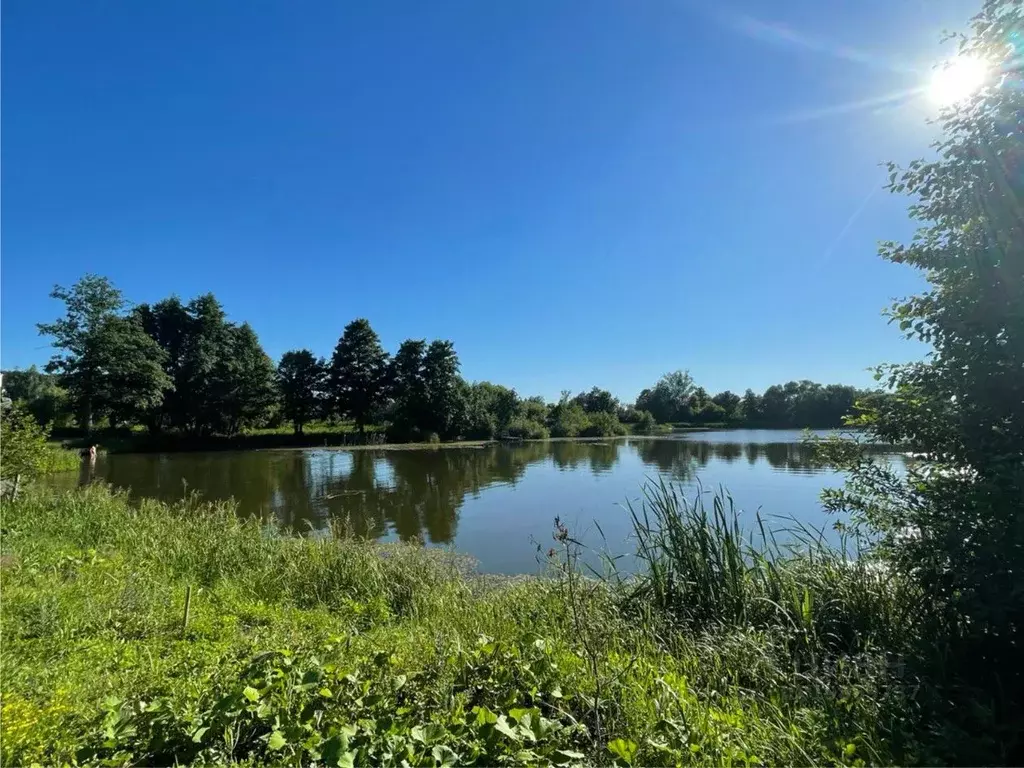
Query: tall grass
[{"x": 703, "y": 571}]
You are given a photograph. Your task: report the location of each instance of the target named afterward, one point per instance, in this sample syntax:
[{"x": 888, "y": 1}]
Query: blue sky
[{"x": 576, "y": 192}]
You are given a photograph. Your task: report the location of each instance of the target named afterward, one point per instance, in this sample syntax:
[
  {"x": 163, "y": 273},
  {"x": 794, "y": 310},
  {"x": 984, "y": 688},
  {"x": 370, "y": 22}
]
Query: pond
[{"x": 495, "y": 502}]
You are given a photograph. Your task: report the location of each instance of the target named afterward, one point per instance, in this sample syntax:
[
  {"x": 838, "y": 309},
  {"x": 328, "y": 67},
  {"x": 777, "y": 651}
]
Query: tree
[
  {"x": 38, "y": 393},
  {"x": 598, "y": 400},
  {"x": 221, "y": 380},
  {"x": 245, "y": 381},
  {"x": 490, "y": 409},
  {"x": 406, "y": 387},
  {"x": 169, "y": 324},
  {"x": 444, "y": 402},
  {"x": 669, "y": 399},
  {"x": 750, "y": 407},
  {"x": 645, "y": 423},
  {"x": 109, "y": 365},
  {"x": 567, "y": 418},
  {"x": 729, "y": 402},
  {"x": 961, "y": 410},
  {"x": 300, "y": 380},
  {"x": 358, "y": 375}
]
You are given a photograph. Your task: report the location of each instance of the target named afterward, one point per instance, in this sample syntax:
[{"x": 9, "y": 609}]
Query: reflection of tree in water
[
  {"x": 680, "y": 458},
  {"x": 569, "y": 455},
  {"x": 672, "y": 457},
  {"x": 413, "y": 492},
  {"x": 751, "y": 452},
  {"x": 728, "y": 452}
]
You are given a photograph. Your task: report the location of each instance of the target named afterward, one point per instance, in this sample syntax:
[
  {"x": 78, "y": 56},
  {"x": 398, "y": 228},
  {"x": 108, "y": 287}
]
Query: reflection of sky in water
[{"x": 490, "y": 502}]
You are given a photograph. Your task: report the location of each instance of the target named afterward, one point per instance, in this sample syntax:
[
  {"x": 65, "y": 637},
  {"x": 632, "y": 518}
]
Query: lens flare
[{"x": 956, "y": 80}]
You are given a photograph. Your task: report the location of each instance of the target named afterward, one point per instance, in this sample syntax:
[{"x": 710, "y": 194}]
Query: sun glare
[{"x": 957, "y": 80}]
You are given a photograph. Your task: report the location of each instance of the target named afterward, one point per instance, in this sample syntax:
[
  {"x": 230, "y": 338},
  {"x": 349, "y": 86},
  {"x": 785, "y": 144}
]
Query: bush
[
  {"x": 645, "y": 423},
  {"x": 602, "y": 424},
  {"x": 24, "y": 453},
  {"x": 567, "y": 419},
  {"x": 528, "y": 430}
]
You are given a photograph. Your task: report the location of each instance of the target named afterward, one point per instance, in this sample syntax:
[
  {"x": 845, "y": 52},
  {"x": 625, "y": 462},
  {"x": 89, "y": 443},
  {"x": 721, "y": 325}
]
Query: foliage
[
  {"x": 295, "y": 650},
  {"x": 221, "y": 379},
  {"x": 22, "y": 447},
  {"x": 954, "y": 524},
  {"x": 729, "y": 402},
  {"x": 645, "y": 423},
  {"x": 244, "y": 381},
  {"x": 490, "y": 410},
  {"x": 217, "y": 382},
  {"x": 598, "y": 400},
  {"x": 603, "y": 424},
  {"x": 669, "y": 399},
  {"x": 358, "y": 373},
  {"x": 795, "y": 405},
  {"x": 39, "y": 393},
  {"x": 527, "y": 429},
  {"x": 567, "y": 418},
  {"x": 108, "y": 365},
  {"x": 444, "y": 399},
  {"x": 407, "y": 388},
  {"x": 300, "y": 382}
]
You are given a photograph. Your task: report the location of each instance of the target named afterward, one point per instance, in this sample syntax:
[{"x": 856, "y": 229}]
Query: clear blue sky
[{"x": 576, "y": 192}]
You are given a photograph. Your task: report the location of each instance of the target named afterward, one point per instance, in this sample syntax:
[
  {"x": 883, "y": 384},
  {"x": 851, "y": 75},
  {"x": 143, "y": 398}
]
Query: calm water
[{"x": 492, "y": 502}]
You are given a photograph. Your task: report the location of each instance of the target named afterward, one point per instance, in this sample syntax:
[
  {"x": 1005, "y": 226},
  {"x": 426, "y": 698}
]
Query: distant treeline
[{"x": 183, "y": 368}]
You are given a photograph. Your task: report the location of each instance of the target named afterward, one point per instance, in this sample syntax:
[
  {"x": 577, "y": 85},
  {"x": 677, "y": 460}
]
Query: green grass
[
  {"x": 56, "y": 458},
  {"x": 295, "y": 650}
]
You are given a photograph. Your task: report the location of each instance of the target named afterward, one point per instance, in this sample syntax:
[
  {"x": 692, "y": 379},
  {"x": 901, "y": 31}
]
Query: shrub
[
  {"x": 528, "y": 430},
  {"x": 602, "y": 424},
  {"x": 645, "y": 423},
  {"x": 24, "y": 453},
  {"x": 567, "y": 419}
]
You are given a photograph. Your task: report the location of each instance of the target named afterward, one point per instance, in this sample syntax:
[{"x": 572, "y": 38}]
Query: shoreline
[{"x": 145, "y": 443}]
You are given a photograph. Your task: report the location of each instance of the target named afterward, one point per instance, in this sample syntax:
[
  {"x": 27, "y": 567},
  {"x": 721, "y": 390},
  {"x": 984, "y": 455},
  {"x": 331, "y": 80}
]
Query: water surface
[{"x": 497, "y": 502}]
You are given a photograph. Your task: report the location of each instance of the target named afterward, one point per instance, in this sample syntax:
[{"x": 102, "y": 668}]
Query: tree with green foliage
[
  {"x": 358, "y": 373},
  {"x": 107, "y": 364},
  {"x": 169, "y": 323},
  {"x": 955, "y": 522},
  {"x": 598, "y": 400},
  {"x": 406, "y": 388},
  {"x": 22, "y": 447},
  {"x": 220, "y": 379},
  {"x": 567, "y": 417},
  {"x": 39, "y": 394},
  {"x": 645, "y": 423},
  {"x": 490, "y": 409},
  {"x": 729, "y": 402},
  {"x": 750, "y": 407},
  {"x": 444, "y": 401},
  {"x": 245, "y": 381},
  {"x": 300, "y": 382},
  {"x": 669, "y": 399}
]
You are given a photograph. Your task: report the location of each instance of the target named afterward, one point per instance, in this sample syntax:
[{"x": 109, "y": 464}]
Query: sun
[{"x": 956, "y": 80}]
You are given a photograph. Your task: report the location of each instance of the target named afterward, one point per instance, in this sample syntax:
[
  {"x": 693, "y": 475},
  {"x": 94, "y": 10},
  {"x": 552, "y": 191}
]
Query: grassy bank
[{"x": 163, "y": 633}]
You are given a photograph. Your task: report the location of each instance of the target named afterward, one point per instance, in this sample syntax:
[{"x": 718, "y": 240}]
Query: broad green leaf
[
  {"x": 251, "y": 693},
  {"x": 276, "y": 740},
  {"x": 624, "y": 749},
  {"x": 502, "y": 726}
]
